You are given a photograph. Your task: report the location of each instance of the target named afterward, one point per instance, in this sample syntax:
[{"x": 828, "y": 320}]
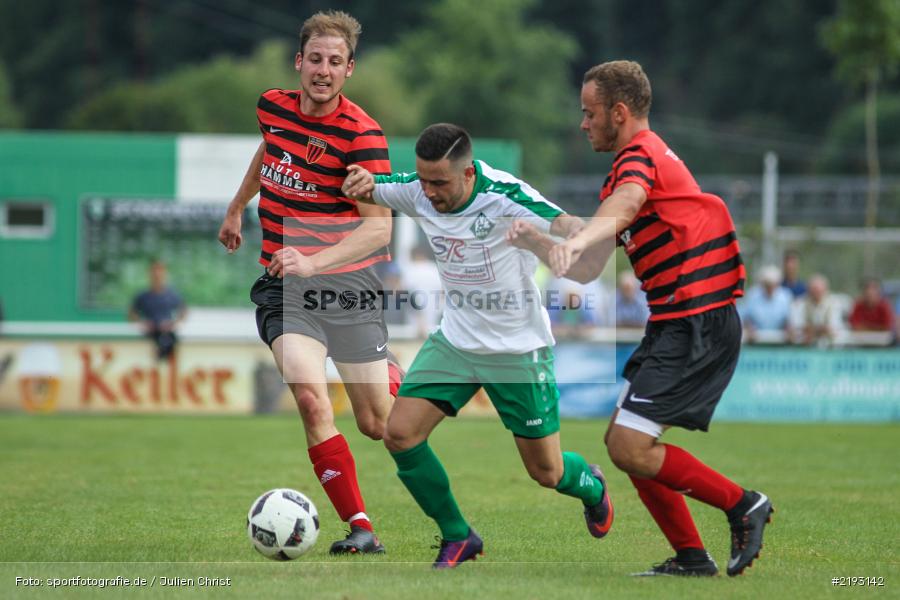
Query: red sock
[
  {"x": 336, "y": 471},
  {"x": 670, "y": 511},
  {"x": 682, "y": 472}
]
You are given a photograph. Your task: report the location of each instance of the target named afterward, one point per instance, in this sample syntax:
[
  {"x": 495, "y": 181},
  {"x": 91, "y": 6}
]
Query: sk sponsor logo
[{"x": 286, "y": 159}]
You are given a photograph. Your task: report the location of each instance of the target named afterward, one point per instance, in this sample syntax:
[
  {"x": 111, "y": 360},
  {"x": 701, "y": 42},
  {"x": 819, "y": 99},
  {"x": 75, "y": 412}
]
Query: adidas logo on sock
[{"x": 328, "y": 475}]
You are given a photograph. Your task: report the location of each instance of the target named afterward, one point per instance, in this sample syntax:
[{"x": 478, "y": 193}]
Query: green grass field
[{"x": 168, "y": 497}]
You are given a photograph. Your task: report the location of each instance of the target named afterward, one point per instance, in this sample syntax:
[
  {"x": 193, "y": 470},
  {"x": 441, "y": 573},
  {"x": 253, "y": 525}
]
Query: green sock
[
  {"x": 578, "y": 481},
  {"x": 424, "y": 476}
]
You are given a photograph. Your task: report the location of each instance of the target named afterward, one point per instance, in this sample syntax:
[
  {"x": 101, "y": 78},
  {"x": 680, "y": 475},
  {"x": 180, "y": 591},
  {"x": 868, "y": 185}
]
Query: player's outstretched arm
[
  {"x": 615, "y": 214},
  {"x": 588, "y": 267},
  {"x": 230, "y": 231}
]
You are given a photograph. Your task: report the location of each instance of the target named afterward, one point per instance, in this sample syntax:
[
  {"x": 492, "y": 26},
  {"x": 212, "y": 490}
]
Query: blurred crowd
[
  {"x": 782, "y": 308},
  {"x": 779, "y": 306}
]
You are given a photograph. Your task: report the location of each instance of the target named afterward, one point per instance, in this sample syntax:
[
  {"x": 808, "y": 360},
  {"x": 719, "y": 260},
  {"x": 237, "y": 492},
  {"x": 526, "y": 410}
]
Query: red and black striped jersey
[
  {"x": 304, "y": 165},
  {"x": 682, "y": 244}
]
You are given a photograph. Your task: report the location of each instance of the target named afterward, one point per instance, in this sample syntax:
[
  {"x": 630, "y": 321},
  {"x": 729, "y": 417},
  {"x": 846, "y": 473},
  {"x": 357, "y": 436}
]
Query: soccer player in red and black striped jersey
[
  {"x": 682, "y": 245},
  {"x": 319, "y": 246}
]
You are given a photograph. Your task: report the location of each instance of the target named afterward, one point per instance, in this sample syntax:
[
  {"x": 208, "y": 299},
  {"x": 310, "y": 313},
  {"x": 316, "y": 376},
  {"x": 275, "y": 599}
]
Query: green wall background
[{"x": 38, "y": 277}]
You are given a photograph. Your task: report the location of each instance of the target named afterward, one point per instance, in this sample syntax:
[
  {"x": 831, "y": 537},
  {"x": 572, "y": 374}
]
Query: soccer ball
[{"x": 283, "y": 524}]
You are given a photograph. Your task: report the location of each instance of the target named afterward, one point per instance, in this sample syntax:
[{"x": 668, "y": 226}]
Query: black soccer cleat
[
  {"x": 599, "y": 517},
  {"x": 697, "y": 563},
  {"x": 747, "y": 526},
  {"x": 452, "y": 554},
  {"x": 358, "y": 541}
]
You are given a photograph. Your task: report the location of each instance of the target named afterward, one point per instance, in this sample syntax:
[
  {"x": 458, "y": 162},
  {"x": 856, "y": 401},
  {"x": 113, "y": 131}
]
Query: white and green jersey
[{"x": 491, "y": 301}]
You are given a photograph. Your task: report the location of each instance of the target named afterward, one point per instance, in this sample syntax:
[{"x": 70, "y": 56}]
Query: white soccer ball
[{"x": 283, "y": 524}]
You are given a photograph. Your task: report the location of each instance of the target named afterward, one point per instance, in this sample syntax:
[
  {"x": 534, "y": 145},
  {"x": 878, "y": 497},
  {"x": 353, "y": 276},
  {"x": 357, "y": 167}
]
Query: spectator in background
[
  {"x": 872, "y": 311},
  {"x": 816, "y": 317},
  {"x": 766, "y": 310},
  {"x": 422, "y": 280},
  {"x": 631, "y": 303},
  {"x": 573, "y": 308},
  {"x": 792, "y": 281},
  {"x": 159, "y": 310}
]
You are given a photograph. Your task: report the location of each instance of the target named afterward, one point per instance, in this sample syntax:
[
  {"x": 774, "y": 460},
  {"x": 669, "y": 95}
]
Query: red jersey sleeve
[
  {"x": 634, "y": 164},
  {"x": 369, "y": 150}
]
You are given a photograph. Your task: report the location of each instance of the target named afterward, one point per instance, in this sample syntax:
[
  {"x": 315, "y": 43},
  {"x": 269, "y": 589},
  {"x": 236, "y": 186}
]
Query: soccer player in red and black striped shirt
[
  {"x": 682, "y": 245},
  {"x": 319, "y": 246}
]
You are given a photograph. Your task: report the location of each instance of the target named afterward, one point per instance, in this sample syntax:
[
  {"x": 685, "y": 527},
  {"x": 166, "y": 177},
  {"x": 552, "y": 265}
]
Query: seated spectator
[
  {"x": 160, "y": 310},
  {"x": 572, "y": 310},
  {"x": 631, "y": 303},
  {"x": 791, "y": 267},
  {"x": 816, "y": 317},
  {"x": 766, "y": 308},
  {"x": 872, "y": 311}
]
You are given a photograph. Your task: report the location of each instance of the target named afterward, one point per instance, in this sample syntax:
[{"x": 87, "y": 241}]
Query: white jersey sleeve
[
  {"x": 397, "y": 191},
  {"x": 522, "y": 200}
]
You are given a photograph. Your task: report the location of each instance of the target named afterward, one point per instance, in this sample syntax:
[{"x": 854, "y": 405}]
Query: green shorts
[{"x": 522, "y": 387}]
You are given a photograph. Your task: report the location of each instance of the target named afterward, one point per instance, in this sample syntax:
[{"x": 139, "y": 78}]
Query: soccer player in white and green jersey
[{"x": 494, "y": 333}]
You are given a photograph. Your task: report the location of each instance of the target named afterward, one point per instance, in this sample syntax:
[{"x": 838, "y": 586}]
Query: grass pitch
[{"x": 167, "y": 497}]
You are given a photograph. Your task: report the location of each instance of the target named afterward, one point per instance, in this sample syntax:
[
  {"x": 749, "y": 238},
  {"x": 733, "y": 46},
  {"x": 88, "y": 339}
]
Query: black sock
[
  {"x": 742, "y": 506},
  {"x": 692, "y": 555}
]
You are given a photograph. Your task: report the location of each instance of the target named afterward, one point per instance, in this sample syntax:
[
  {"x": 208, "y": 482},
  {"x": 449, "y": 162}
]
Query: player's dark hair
[
  {"x": 332, "y": 22},
  {"x": 444, "y": 140},
  {"x": 622, "y": 81}
]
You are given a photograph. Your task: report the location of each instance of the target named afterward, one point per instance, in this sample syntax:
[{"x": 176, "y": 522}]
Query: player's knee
[
  {"x": 371, "y": 426},
  {"x": 634, "y": 461},
  {"x": 313, "y": 409},
  {"x": 396, "y": 439},
  {"x": 545, "y": 476}
]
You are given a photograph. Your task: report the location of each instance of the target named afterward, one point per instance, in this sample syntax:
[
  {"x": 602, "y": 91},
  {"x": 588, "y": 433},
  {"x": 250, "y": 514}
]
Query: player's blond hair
[
  {"x": 332, "y": 22},
  {"x": 622, "y": 81}
]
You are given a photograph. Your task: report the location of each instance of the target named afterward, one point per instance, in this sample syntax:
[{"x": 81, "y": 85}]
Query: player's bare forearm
[
  {"x": 249, "y": 187},
  {"x": 614, "y": 214},
  {"x": 525, "y": 235},
  {"x": 372, "y": 234},
  {"x": 230, "y": 231},
  {"x": 566, "y": 225}
]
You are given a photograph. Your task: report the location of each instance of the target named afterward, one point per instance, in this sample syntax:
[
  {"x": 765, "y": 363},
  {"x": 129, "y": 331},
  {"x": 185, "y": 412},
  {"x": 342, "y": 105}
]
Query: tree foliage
[
  {"x": 10, "y": 116},
  {"x": 483, "y": 66},
  {"x": 218, "y": 96},
  {"x": 864, "y": 36}
]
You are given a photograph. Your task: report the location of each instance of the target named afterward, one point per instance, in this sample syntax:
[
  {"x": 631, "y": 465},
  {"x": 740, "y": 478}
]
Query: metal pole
[{"x": 769, "y": 207}]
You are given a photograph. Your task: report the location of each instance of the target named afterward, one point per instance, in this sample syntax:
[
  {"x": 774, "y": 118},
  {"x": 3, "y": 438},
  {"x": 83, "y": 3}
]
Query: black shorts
[
  {"x": 343, "y": 311},
  {"x": 682, "y": 367}
]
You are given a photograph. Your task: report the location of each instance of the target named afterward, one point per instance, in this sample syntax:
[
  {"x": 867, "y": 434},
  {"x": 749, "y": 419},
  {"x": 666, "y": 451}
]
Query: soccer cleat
[
  {"x": 700, "y": 565},
  {"x": 358, "y": 541},
  {"x": 395, "y": 374},
  {"x": 747, "y": 531},
  {"x": 599, "y": 517},
  {"x": 451, "y": 554}
]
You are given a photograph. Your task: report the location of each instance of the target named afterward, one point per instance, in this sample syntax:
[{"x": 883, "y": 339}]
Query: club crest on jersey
[
  {"x": 315, "y": 149},
  {"x": 482, "y": 226}
]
